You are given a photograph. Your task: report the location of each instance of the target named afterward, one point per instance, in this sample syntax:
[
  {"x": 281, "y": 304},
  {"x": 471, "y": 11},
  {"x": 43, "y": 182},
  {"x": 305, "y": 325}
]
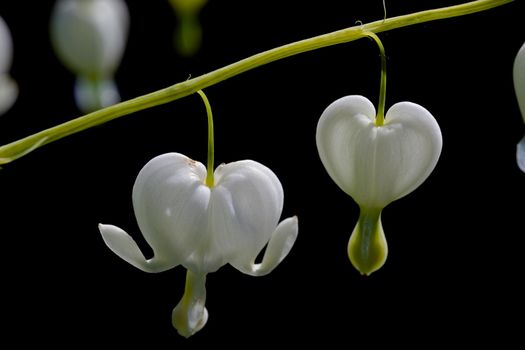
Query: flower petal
[
  {"x": 190, "y": 314},
  {"x": 8, "y": 92},
  {"x": 125, "y": 247},
  {"x": 519, "y": 87},
  {"x": 170, "y": 202},
  {"x": 90, "y": 37},
  {"x": 520, "y": 154},
  {"x": 6, "y": 47},
  {"x": 246, "y": 205},
  {"x": 280, "y": 244},
  {"x": 341, "y": 123},
  {"x": 377, "y": 164},
  {"x": 91, "y": 94},
  {"x": 419, "y": 143},
  {"x": 519, "y": 79},
  {"x": 8, "y": 87}
]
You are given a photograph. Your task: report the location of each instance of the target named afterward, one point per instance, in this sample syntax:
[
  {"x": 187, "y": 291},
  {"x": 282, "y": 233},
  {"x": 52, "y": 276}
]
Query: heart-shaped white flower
[
  {"x": 376, "y": 165},
  {"x": 519, "y": 87},
  {"x": 8, "y": 87},
  {"x": 89, "y": 36},
  {"x": 202, "y": 228}
]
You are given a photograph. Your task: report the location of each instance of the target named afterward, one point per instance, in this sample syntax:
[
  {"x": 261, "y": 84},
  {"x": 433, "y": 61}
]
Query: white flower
[
  {"x": 519, "y": 86},
  {"x": 89, "y": 36},
  {"x": 188, "y": 35},
  {"x": 376, "y": 165},
  {"x": 8, "y": 87},
  {"x": 202, "y": 228}
]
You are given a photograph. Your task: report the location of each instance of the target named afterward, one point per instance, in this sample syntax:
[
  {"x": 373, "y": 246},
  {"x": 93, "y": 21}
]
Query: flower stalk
[
  {"x": 211, "y": 149},
  {"x": 380, "y": 118}
]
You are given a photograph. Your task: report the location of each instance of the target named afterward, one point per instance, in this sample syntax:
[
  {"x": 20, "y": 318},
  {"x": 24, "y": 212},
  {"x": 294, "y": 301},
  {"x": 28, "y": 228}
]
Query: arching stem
[
  {"x": 380, "y": 118},
  {"x": 19, "y": 148},
  {"x": 211, "y": 148}
]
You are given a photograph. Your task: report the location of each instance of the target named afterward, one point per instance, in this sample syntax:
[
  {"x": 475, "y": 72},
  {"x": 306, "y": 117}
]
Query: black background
[{"x": 455, "y": 265}]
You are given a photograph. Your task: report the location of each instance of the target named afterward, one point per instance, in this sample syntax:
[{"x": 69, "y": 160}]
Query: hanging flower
[
  {"x": 376, "y": 159},
  {"x": 202, "y": 219},
  {"x": 188, "y": 223},
  {"x": 89, "y": 36},
  {"x": 8, "y": 87},
  {"x": 376, "y": 164},
  {"x": 188, "y": 35},
  {"x": 519, "y": 86}
]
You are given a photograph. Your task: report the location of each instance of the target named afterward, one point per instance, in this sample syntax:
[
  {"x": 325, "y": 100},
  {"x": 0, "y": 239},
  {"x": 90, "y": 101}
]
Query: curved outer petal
[
  {"x": 376, "y": 165},
  {"x": 247, "y": 202},
  {"x": 280, "y": 244},
  {"x": 90, "y": 36},
  {"x": 125, "y": 247}
]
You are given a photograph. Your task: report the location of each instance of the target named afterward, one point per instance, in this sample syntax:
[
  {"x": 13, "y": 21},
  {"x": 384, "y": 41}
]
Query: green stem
[
  {"x": 19, "y": 148},
  {"x": 211, "y": 150},
  {"x": 380, "y": 117}
]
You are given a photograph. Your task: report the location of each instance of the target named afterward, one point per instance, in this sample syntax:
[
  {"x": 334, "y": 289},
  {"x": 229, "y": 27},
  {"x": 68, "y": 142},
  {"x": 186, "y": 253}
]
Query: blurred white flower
[
  {"x": 8, "y": 87},
  {"x": 188, "y": 35},
  {"x": 519, "y": 86},
  {"x": 376, "y": 165},
  {"x": 202, "y": 228},
  {"x": 89, "y": 37}
]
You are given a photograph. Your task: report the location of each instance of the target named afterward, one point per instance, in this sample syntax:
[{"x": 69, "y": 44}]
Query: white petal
[
  {"x": 342, "y": 122},
  {"x": 419, "y": 144},
  {"x": 186, "y": 222},
  {"x": 245, "y": 209},
  {"x": 519, "y": 79},
  {"x": 6, "y": 47},
  {"x": 8, "y": 93},
  {"x": 8, "y": 87},
  {"x": 278, "y": 248},
  {"x": 90, "y": 36},
  {"x": 125, "y": 247},
  {"x": 190, "y": 314},
  {"x": 170, "y": 202},
  {"x": 376, "y": 165},
  {"x": 520, "y": 154},
  {"x": 519, "y": 86},
  {"x": 91, "y": 95}
]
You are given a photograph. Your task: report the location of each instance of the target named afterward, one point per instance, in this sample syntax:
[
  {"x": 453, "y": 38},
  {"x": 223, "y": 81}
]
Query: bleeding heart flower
[
  {"x": 376, "y": 164},
  {"x": 188, "y": 35},
  {"x": 186, "y": 222},
  {"x": 519, "y": 86},
  {"x": 8, "y": 87},
  {"x": 89, "y": 36}
]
